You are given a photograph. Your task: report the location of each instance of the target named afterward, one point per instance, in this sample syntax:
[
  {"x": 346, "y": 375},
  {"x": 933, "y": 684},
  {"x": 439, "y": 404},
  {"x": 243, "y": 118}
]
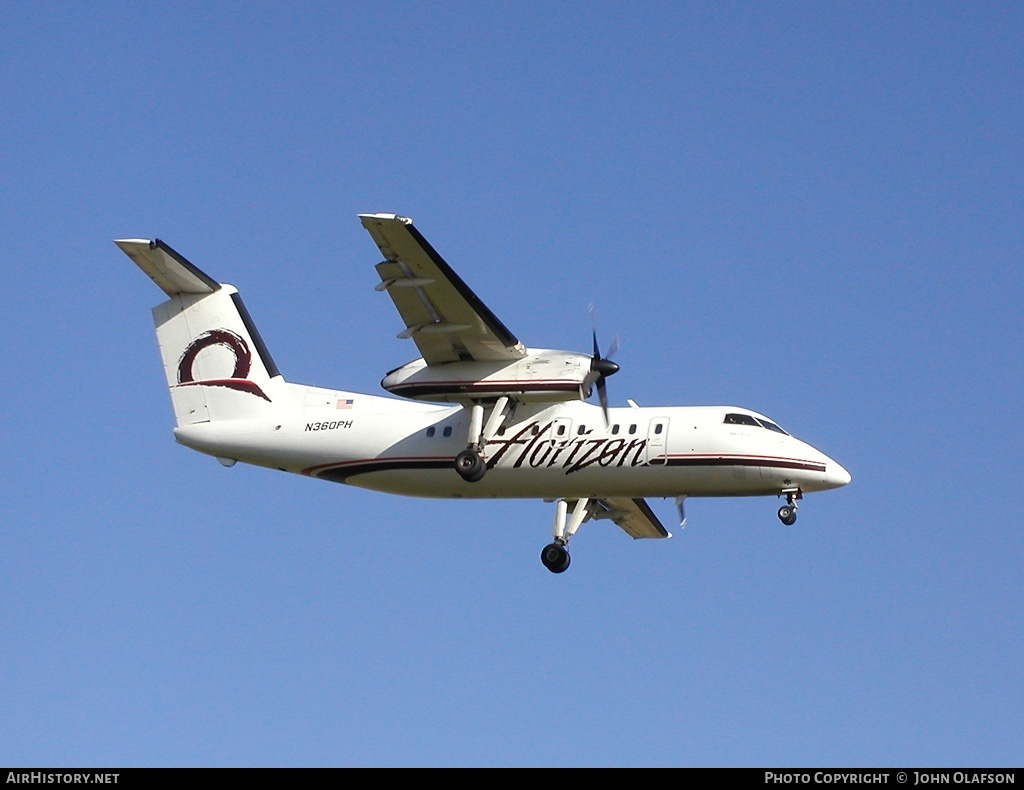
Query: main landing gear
[
  {"x": 555, "y": 555},
  {"x": 470, "y": 463},
  {"x": 787, "y": 513}
]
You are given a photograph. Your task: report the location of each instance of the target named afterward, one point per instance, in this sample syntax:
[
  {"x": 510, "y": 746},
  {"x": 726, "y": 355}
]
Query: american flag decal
[{"x": 345, "y": 404}]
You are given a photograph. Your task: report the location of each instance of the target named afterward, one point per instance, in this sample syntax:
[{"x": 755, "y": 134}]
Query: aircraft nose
[{"x": 836, "y": 475}]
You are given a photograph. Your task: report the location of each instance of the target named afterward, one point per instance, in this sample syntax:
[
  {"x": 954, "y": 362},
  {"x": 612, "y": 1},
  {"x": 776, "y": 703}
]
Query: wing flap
[
  {"x": 446, "y": 320},
  {"x": 632, "y": 516}
]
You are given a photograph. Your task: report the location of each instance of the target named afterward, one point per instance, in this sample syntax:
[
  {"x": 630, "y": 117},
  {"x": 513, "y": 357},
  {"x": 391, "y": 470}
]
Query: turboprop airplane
[{"x": 480, "y": 414}]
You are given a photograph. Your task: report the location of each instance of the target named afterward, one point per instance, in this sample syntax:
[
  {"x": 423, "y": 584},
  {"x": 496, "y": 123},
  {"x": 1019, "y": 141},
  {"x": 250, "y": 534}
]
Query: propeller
[{"x": 601, "y": 367}]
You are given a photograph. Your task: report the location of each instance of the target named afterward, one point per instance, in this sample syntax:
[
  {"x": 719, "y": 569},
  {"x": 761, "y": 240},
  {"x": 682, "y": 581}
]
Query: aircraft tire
[
  {"x": 470, "y": 466},
  {"x": 555, "y": 558},
  {"x": 787, "y": 515}
]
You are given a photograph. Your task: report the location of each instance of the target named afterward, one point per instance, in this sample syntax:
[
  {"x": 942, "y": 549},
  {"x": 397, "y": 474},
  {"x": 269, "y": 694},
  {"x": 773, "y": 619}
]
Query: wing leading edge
[{"x": 446, "y": 320}]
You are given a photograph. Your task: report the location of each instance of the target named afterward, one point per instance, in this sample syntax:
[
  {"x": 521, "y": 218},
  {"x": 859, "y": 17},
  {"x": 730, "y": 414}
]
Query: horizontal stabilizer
[{"x": 172, "y": 272}]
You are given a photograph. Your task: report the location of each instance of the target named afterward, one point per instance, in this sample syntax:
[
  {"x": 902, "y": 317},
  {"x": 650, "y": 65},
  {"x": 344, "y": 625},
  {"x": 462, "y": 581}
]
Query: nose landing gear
[{"x": 787, "y": 513}]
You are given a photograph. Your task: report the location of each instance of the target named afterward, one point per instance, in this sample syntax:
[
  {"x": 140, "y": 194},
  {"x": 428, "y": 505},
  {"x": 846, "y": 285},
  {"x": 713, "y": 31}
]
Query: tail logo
[{"x": 237, "y": 380}]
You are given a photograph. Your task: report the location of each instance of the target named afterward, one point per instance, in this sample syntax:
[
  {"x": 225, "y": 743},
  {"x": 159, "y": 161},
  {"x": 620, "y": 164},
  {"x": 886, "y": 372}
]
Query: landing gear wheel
[
  {"x": 555, "y": 558},
  {"x": 470, "y": 465},
  {"x": 787, "y": 515}
]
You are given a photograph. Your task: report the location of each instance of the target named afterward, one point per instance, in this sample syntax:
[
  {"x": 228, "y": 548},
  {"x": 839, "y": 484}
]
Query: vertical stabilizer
[{"x": 216, "y": 364}]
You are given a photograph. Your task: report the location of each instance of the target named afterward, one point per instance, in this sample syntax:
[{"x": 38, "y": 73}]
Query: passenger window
[
  {"x": 632, "y": 429},
  {"x": 448, "y": 430},
  {"x": 658, "y": 427},
  {"x": 582, "y": 430},
  {"x": 431, "y": 431},
  {"x": 615, "y": 430},
  {"x": 561, "y": 430}
]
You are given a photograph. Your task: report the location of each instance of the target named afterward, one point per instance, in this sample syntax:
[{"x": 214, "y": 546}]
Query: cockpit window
[
  {"x": 771, "y": 426},
  {"x": 746, "y": 419}
]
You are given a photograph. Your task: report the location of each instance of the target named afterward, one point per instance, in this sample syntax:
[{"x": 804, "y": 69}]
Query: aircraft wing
[
  {"x": 442, "y": 315},
  {"x": 633, "y": 516}
]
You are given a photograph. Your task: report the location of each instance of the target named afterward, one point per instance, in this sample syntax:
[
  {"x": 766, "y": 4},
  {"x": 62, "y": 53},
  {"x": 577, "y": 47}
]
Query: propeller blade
[
  {"x": 602, "y": 395},
  {"x": 601, "y": 367},
  {"x": 613, "y": 349}
]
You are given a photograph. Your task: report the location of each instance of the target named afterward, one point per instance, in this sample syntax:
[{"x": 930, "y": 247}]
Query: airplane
[{"x": 479, "y": 415}]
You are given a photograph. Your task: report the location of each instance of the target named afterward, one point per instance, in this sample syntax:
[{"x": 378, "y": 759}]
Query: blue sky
[{"x": 813, "y": 210}]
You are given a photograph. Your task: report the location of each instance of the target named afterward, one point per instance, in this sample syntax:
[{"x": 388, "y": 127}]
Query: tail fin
[{"x": 217, "y": 366}]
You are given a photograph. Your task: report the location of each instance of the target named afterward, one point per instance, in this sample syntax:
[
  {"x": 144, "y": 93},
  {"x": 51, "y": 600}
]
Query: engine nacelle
[{"x": 542, "y": 375}]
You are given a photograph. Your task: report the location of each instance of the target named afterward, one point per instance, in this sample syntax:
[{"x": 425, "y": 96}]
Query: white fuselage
[{"x": 558, "y": 450}]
